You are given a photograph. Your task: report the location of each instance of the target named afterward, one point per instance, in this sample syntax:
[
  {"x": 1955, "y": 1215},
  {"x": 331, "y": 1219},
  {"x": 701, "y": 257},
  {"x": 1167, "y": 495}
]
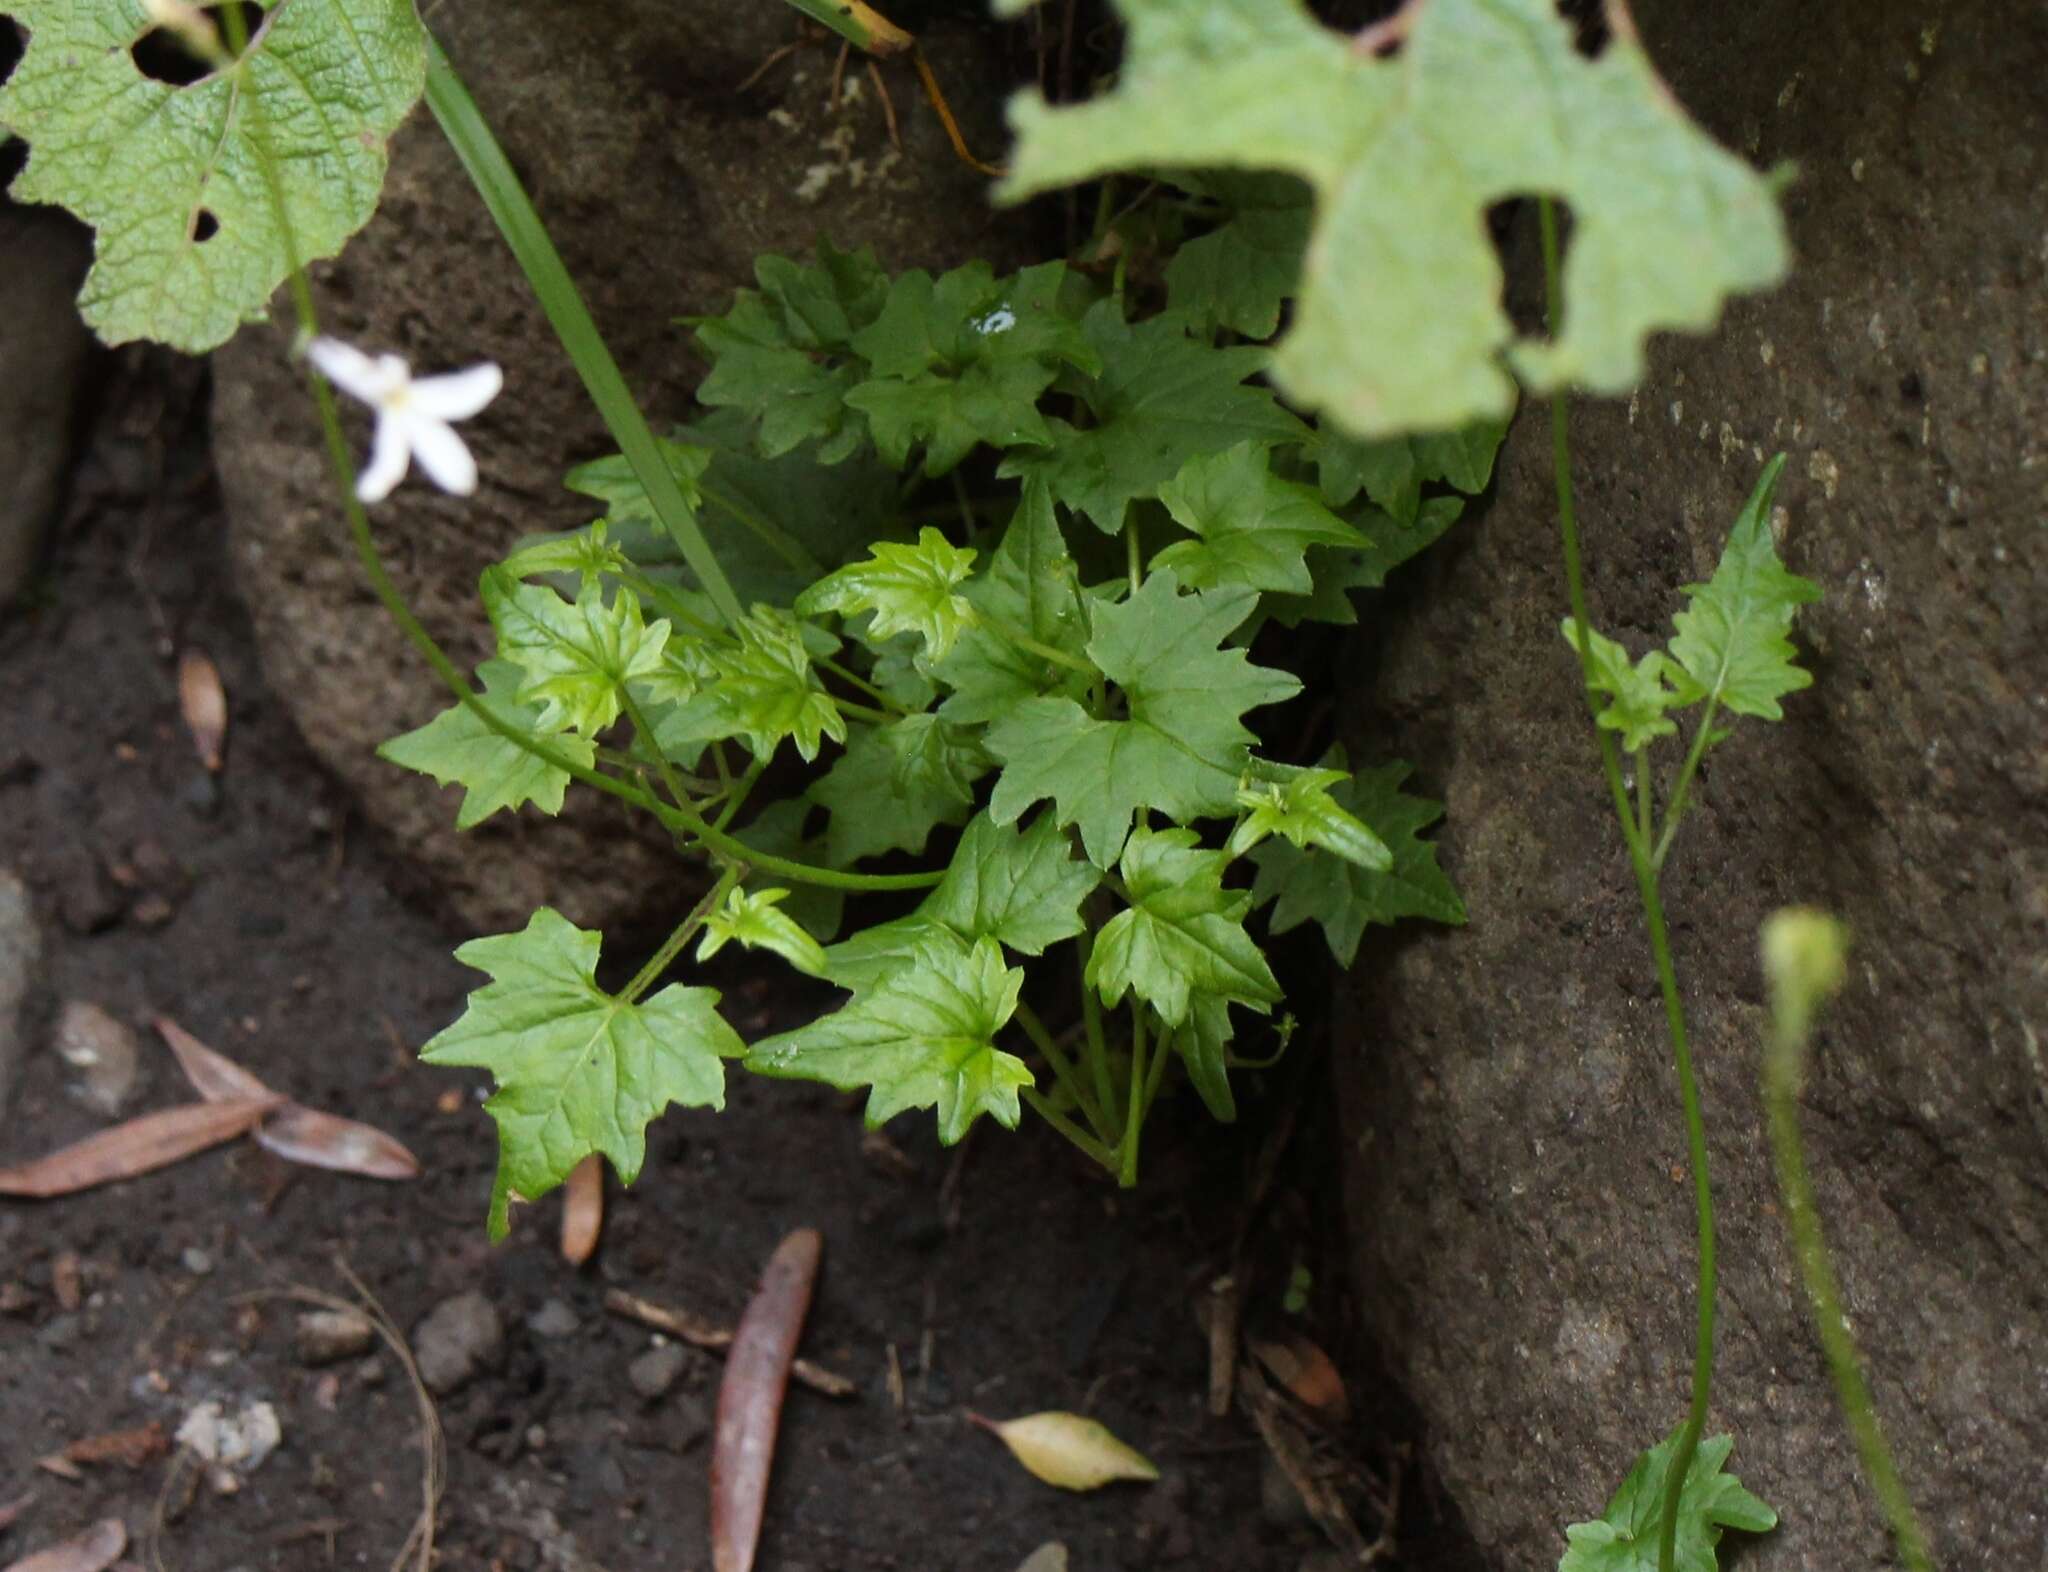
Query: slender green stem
[
  {"x": 1062, "y": 1067},
  {"x": 683, "y": 933},
  {"x": 1041, "y": 1105},
  {"x": 645, "y": 732},
  {"x": 1091, "y": 1016},
  {"x": 1683, "y": 785},
  {"x": 499, "y": 186},
  {"x": 854, "y": 680},
  {"x": 1645, "y": 812},
  {"x": 1134, "y": 1106},
  {"x": 736, "y": 793},
  {"x": 1784, "y": 1069},
  {"x": 1134, "y": 567},
  {"x": 1645, "y": 867}
]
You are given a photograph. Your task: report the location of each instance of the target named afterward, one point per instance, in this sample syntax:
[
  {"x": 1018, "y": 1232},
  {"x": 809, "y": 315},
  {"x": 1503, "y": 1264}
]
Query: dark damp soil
[{"x": 250, "y": 908}]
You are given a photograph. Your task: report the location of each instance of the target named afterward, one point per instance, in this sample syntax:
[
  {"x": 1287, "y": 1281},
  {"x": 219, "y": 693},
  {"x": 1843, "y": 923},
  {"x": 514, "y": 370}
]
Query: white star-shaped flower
[{"x": 413, "y": 415}]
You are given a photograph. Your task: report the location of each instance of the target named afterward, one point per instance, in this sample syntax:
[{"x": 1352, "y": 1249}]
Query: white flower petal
[
  {"x": 457, "y": 395},
  {"x": 390, "y": 455},
  {"x": 349, "y": 369},
  {"x": 442, "y": 455}
]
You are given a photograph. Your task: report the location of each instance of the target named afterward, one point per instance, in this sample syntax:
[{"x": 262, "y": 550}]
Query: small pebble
[
  {"x": 655, "y": 1371},
  {"x": 553, "y": 1319},
  {"x": 323, "y": 1336},
  {"x": 458, "y": 1339},
  {"x": 196, "y": 1261},
  {"x": 102, "y": 1050},
  {"x": 152, "y": 911}
]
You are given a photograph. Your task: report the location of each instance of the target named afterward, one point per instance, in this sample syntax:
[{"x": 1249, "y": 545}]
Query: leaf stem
[
  {"x": 1062, "y": 1067},
  {"x": 645, "y": 732},
  {"x": 1041, "y": 1105},
  {"x": 1680, "y": 787},
  {"x": 1031, "y": 646},
  {"x": 1091, "y": 1015},
  {"x": 1646, "y": 867},
  {"x": 496, "y": 182},
  {"x": 852, "y": 680},
  {"x": 684, "y": 931}
]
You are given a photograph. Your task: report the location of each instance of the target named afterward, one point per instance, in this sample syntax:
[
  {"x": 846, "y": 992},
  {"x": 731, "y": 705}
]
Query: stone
[
  {"x": 460, "y": 1339},
  {"x": 1515, "y": 1152},
  {"x": 323, "y": 1337},
  {"x": 21, "y": 954},
  {"x": 655, "y": 1371},
  {"x": 662, "y": 178},
  {"x": 104, "y": 1052},
  {"x": 45, "y": 356},
  {"x": 553, "y": 1319}
]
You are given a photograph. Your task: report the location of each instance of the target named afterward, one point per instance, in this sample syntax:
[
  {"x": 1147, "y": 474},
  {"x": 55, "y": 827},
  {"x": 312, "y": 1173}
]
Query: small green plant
[{"x": 1729, "y": 653}]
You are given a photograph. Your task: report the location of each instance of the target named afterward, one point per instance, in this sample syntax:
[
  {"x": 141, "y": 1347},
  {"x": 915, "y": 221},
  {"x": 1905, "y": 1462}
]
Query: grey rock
[
  {"x": 460, "y": 1338},
  {"x": 553, "y": 1319},
  {"x": 45, "y": 350},
  {"x": 1515, "y": 1148},
  {"x": 102, "y": 1050},
  {"x": 655, "y": 1371},
  {"x": 662, "y": 181},
  {"x": 21, "y": 953}
]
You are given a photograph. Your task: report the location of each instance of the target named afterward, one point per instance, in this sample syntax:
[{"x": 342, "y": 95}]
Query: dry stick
[{"x": 700, "y": 1333}]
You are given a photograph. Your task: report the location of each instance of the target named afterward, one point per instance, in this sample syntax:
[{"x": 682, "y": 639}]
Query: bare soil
[{"x": 250, "y": 908}]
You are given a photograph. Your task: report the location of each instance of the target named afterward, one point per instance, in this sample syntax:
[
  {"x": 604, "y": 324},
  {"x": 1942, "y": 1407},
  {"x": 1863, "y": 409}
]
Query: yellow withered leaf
[{"x": 1069, "y": 1450}]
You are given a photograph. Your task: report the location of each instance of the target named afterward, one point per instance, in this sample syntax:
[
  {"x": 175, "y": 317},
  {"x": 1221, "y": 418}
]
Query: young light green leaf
[
  {"x": 923, "y": 1036},
  {"x": 1183, "y": 746},
  {"x": 1031, "y": 585},
  {"x": 495, "y": 772},
  {"x": 1162, "y": 398},
  {"x": 174, "y": 177},
  {"x": 1182, "y": 931},
  {"x": 1731, "y": 639},
  {"x": 778, "y": 830},
  {"x": 910, "y": 589},
  {"x": 578, "y": 1070},
  {"x": 611, "y": 481},
  {"x": 1255, "y": 529},
  {"x": 1626, "y": 1538},
  {"x": 1278, "y": 799},
  {"x": 1343, "y": 897},
  {"x": 1639, "y": 696},
  {"x": 895, "y": 783},
  {"x": 1022, "y": 888},
  {"x": 760, "y": 688},
  {"x": 1399, "y": 324},
  {"x": 587, "y": 553},
  {"x": 750, "y": 917},
  {"x": 785, "y": 354},
  {"x": 576, "y": 656},
  {"x": 1237, "y": 275},
  {"x": 1069, "y": 1450}
]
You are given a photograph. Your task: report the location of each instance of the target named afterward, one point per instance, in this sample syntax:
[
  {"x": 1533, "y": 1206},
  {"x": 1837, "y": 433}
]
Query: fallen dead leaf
[
  {"x": 294, "y": 1132},
  {"x": 583, "y": 1210},
  {"x": 14, "y": 1509},
  {"x": 137, "y": 1147},
  {"x": 1306, "y": 1371},
  {"x": 205, "y": 706},
  {"x": 1069, "y": 1450},
  {"x": 129, "y": 1448},
  {"x": 1046, "y": 1558},
  {"x": 750, "y": 1399},
  {"x": 323, "y": 1140},
  {"x": 92, "y": 1551}
]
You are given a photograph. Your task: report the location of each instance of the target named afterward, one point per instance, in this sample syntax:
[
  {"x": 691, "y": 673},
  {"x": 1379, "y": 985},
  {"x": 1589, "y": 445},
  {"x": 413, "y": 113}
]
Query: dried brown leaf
[
  {"x": 129, "y": 1448},
  {"x": 214, "y": 1076},
  {"x": 14, "y": 1509},
  {"x": 1307, "y": 1372},
  {"x": 205, "y": 706},
  {"x": 583, "y": 1210},
  {"x": 136, "y": 1147},
  {"x": 92, "y": 1551},
  {"x": 324, "y": 1140},
  {"x": 750, "y": 1399}
]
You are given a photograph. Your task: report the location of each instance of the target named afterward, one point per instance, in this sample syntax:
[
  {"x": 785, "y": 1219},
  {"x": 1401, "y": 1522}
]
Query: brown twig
[{"x": 700, "y": 1333}]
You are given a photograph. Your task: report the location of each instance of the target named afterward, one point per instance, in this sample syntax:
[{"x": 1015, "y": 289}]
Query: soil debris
[
  {"x": 324, "y": 1337},
  {"x": 102, "y": 1050},
  {"x": 94, "y": 1550},
  {"x": 460, "y": 1339}
]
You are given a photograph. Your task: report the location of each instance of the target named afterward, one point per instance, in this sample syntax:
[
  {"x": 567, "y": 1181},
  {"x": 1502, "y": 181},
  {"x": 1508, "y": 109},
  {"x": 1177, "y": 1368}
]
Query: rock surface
[
  {"x": 459, "y": 1339},
  {"x": 21, "y": 954},
  {"x": 1524, "y": 1223},
  {"x": 45, "y": 351},
  {"x": 662, "y": 177}
]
